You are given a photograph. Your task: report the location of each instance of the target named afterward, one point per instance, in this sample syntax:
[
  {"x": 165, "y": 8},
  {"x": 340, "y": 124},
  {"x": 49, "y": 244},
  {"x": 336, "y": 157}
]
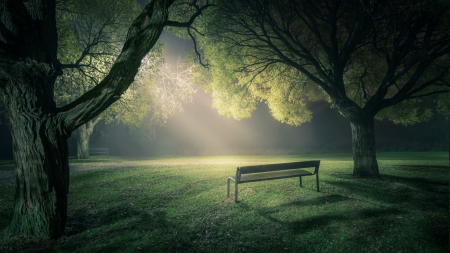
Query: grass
[{"x": 178, "y": 204}]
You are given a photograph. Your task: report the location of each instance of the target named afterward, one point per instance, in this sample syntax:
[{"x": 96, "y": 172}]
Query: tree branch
[
  {"x": 411, "y": 54},
  {"x": 189, "y": 23},
  {"x": 141, "y": 37},
  {"x": 428, "y": 94},
  {"x": 196, "y": 49},
  {"x": 189, "y": 26},
  {"x": 91, "y": 43}
]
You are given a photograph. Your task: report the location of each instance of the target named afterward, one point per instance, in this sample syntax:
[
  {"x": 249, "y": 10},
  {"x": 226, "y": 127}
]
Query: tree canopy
[
  {"x": 279, "y": 51},
  {"x": 90, "y": 40},
  {"x": 366, "y": 58}
]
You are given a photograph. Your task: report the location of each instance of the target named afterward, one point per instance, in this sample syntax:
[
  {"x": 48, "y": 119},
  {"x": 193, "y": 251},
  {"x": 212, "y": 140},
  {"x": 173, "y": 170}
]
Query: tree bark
[
  {"x": 40, "y": 154},
  {"x": 28, "y": 70},
  {"x": 364, "y": 149}
]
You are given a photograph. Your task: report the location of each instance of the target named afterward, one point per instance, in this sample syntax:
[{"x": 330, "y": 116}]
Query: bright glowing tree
[{"x": 91, "y": 34}]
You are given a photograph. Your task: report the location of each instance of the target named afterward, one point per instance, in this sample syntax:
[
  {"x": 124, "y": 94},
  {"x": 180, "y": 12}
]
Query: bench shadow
[
  {"x": 333, "y": 198},
  {"x": 323, "y": 222}
]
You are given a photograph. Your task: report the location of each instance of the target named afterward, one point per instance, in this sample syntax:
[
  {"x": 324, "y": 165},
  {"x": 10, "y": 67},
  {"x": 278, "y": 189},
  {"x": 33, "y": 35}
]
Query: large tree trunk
[
  {"x": 83, "y": 142},
  {"x": 40, "y": 154},
  {"x": 28, "y": 70},
  {"x": 364, "y": 149}
]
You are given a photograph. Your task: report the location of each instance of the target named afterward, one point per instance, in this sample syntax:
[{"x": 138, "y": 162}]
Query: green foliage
[
  {"x": 406, "y": 113},
  {"x": 287, "y": 52},
  {"x": 443, "y": 105},
  {"x": 135, "y": 103},
  {"x": 241, "y": 76},
  {"x": 238, "y": 83},
  {"x": 90, "y": 39},
  {"x": 91, "y": 34}
]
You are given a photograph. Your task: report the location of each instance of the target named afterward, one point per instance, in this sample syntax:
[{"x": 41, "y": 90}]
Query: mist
[{"x": 200, "y": 130}]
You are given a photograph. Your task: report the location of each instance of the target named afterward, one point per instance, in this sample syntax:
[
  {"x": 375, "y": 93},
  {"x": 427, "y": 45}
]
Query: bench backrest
[
  {"x": 278, "y": 166},
  {"x": 99, "y": 150}
]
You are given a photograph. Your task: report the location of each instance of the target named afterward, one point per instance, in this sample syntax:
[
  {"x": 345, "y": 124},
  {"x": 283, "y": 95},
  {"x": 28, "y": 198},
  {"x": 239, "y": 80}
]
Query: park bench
[
  {"x": 99, "y": 151},
  {"x": 257, "y": 173}
]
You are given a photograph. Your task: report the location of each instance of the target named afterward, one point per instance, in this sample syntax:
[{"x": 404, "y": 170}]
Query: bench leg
[
  {"x": 317, "y": 181},
  {"x": 228, "y": 188},
  {"x": 301, "y": 182},
  {"x": 235, "y": 192}
]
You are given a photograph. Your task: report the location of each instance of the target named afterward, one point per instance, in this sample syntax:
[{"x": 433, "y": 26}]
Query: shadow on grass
[
  {"x": 325, "y": 221},
  {"x": 115, "y": 227},
  {"x": 425, "y": 198},
  {"x": 90, "y": 218},
  {"x": 424, "y": 168},
  {"x": 129, "y": 204},
  {"x": 333, "y": 198},
  {"x": 395, "y": 188}
]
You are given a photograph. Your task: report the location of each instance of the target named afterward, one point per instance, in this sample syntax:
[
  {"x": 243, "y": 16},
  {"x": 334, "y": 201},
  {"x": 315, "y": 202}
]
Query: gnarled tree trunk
[
  {"x": 40, "y": 154},
  {"x": 28, "y": 70},
  {"x": 364, "y": 149}
]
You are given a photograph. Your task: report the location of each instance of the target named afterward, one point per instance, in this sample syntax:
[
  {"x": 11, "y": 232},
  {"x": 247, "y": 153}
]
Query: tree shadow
[
  {"x": 424, "y": 168},
  {"x": 366, "y": 190},
  {"x": 376, "y": 188},
  {"x": 429, "y": 196},
  {"x": 90, "y": 218},
  {"x": 110, "y": 224},
  {"x": 424, "y": 184}
]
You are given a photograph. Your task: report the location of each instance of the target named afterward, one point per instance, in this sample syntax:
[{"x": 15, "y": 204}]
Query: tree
[
  {"x": 92, "y": 39},
  {"x": 91, "y": 34},
  {"x": 368, "y": 59},
  {"x": 29, "y": 67}
]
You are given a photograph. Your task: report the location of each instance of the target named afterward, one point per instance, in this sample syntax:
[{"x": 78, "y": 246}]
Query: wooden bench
[
  {"x": 257, "y": 173},
  {"x": 99, "y": 151}
]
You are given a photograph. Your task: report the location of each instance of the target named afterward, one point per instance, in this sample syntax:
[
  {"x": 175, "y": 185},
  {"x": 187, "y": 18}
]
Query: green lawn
[{"x": 180, "y": 205}]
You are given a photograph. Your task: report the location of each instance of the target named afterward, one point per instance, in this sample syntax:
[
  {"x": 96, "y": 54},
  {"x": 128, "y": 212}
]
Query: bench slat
[
  {"x": 278, "y": 166},
  {"x": 273, "y": 175}
]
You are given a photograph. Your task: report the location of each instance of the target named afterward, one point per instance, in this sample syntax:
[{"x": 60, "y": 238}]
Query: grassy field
[{"x": 180, "y": 205}]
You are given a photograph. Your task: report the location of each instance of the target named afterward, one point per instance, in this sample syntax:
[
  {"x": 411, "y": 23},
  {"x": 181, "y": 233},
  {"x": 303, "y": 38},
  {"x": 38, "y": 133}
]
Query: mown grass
[{"x": 180, "y": 205}]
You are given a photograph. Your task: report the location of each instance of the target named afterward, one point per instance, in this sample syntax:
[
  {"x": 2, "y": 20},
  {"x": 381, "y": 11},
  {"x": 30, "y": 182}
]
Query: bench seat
[
  {"x": 257, "y": 173},
  {"x": 254, "y": 177}
]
